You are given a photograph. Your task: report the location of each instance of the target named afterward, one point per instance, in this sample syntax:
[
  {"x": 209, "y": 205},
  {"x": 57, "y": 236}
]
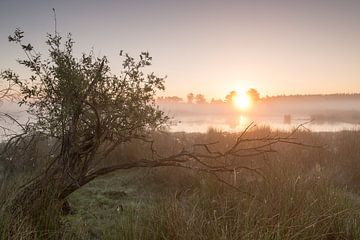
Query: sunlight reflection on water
[{"x": 239, "y": 123}]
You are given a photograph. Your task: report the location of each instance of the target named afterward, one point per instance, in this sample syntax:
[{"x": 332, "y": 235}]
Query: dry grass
[{"x": 307, "y": 193}]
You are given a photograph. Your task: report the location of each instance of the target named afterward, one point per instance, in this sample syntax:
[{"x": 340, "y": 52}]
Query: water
[
  {"x": 202, "y": 123},
  {"x": 321, "y": 113}
]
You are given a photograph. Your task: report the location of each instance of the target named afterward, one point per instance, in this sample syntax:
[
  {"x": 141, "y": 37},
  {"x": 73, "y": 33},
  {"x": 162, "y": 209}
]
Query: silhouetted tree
[
  {"x": 230, "y": 97},
  {"x": 216, "y": 101},
  {"x": 253, "y": 94},
  {"x": 200, "y": 99},
  {"x": 85, "y": 108},
  {"x": 190, "y": 98}
]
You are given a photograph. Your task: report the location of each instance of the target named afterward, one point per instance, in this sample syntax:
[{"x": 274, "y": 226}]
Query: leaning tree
[
  {"x": 87, "y": 112},
  {"x": 84, "y": 108}
]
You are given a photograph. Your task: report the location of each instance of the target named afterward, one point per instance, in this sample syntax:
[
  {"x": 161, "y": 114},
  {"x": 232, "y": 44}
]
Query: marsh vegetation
[{"x": 297, "y": 193}]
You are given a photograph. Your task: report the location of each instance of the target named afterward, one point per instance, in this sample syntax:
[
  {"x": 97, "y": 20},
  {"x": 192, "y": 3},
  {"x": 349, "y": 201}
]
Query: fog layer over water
[{"x": 320, "y": 113}]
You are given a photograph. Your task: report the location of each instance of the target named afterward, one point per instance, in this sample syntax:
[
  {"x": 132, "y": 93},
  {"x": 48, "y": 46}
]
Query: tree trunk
[
  {"x": 43, "y": 198},
  {"x": 37, "y": 206}
]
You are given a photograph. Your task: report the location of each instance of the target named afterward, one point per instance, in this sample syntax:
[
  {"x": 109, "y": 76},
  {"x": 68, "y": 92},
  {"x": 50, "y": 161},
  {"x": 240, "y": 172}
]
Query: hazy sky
[{"x": 212, "y": 47}]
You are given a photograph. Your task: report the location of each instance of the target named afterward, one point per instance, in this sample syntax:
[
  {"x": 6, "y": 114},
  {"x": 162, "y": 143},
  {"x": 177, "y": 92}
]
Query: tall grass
[
  {"x": 306, "y": 193},
  {"x": 288, "y": 207}
]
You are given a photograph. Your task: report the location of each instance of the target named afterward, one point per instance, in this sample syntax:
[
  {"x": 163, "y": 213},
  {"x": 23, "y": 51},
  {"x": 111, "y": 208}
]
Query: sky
[{"x": 210, "y": 47}]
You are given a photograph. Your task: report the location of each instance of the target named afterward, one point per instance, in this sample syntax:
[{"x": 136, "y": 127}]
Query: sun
[{"x": 242, "y": 100}]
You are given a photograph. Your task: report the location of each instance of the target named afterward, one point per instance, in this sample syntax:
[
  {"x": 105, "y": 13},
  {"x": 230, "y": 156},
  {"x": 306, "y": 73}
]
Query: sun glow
[{"x": 242, "y": 100}]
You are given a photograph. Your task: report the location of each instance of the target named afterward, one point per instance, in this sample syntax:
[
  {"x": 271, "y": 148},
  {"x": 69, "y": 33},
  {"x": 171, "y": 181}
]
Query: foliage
[
  {"x": 82, "y": 97},
  {"x": 190, "y": 97},
  {"x": 230, "y": 97},
  {"x": 253, "y": 94},
  {"x": 83, "y": 111},
  {"x": 80, "y": 104},
  {"x": 200, "y": 99}
]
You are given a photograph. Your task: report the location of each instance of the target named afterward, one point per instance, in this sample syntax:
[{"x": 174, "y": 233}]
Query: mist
[{"x": 319, "y": 112}]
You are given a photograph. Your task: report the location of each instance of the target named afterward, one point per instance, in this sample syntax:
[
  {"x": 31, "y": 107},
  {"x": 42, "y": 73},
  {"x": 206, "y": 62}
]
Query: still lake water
[
  {"x": 239, "y": 123},
  {"x": 322, "y": 114}
]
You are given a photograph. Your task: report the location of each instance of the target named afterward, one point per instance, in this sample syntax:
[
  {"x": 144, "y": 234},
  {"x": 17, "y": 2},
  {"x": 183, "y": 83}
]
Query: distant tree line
[{"x": 192, "y": 98}]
